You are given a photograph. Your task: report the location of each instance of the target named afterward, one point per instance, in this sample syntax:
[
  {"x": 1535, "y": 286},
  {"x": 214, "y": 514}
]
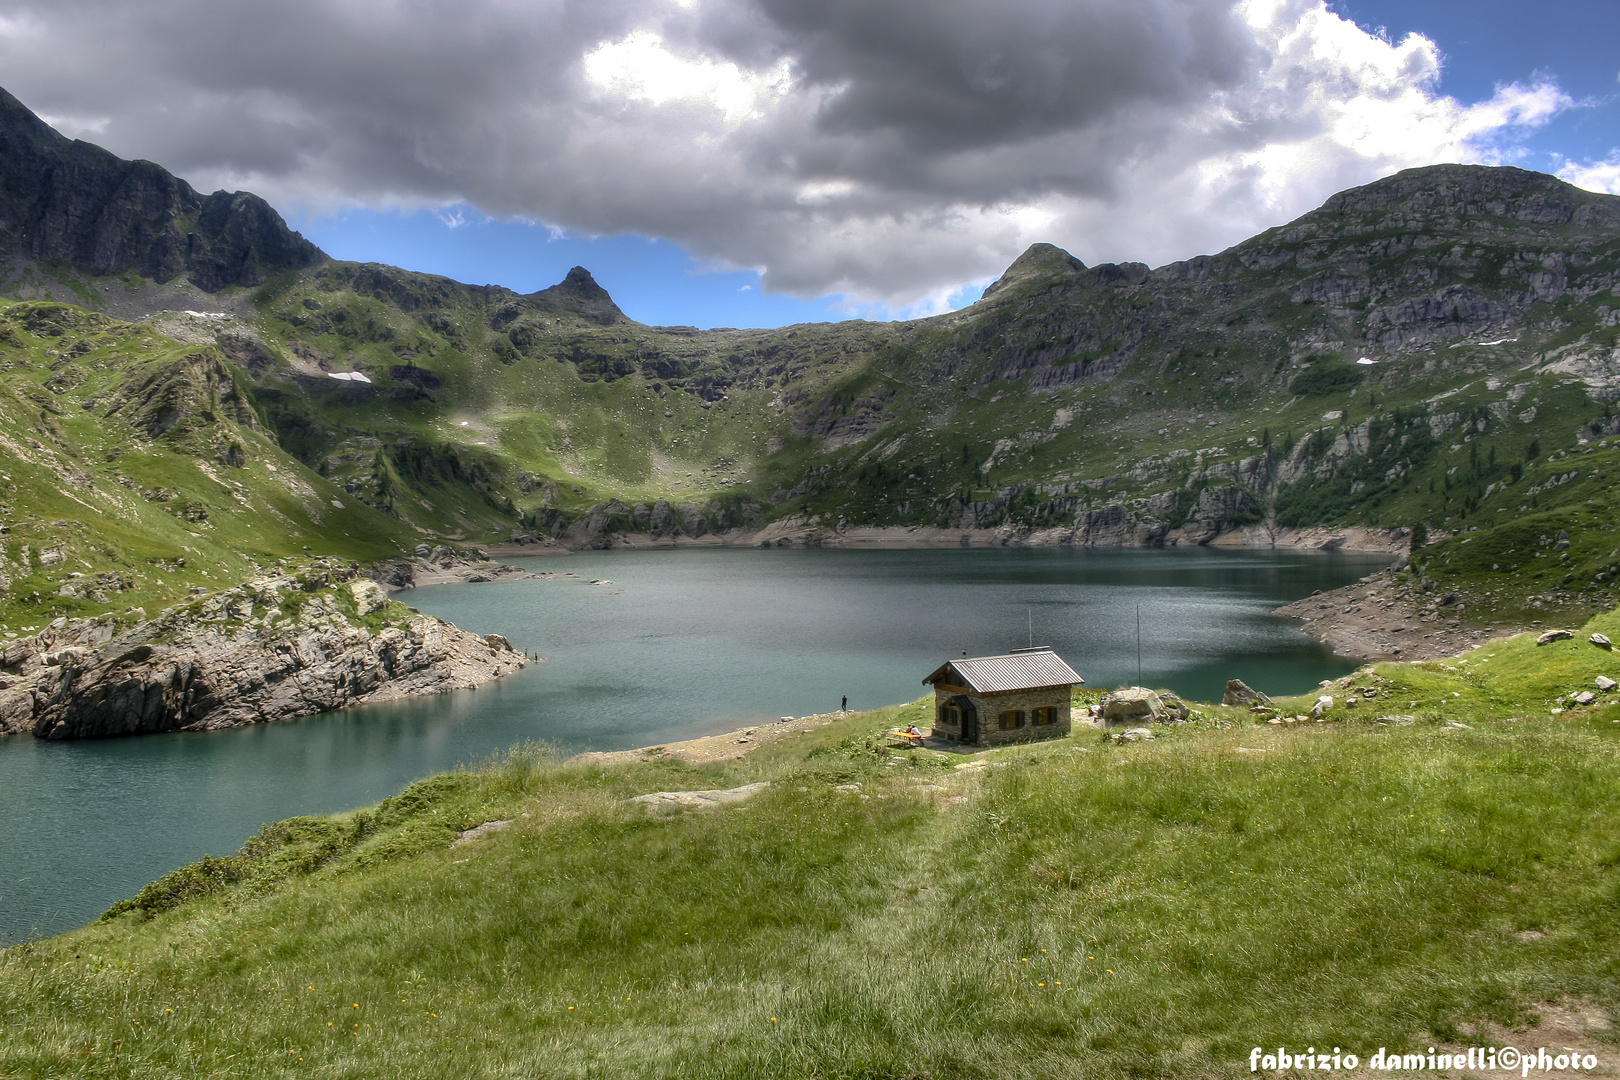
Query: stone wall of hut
[{"x": 991, "y": 706}]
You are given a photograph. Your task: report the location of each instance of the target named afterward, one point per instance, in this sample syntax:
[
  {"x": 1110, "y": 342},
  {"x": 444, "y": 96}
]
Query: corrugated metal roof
[{"x": 1013, "y": 671}]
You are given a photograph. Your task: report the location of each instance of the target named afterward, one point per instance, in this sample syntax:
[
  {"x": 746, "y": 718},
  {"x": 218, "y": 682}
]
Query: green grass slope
[
  {"x": 1389, "y": 877},
  {"x": 137, "y": 468}
]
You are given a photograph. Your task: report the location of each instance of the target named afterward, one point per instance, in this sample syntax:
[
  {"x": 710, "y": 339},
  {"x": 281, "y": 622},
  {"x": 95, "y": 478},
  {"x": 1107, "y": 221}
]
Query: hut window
[
  {"x": 950, "y": 714},
  {"x": 1012, "y": 718},
  {"x": 1045, "y": 715}
]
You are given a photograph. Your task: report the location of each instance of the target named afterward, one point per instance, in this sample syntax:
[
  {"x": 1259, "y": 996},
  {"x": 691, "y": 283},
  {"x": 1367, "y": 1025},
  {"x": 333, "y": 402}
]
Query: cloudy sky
[{"x": 756, "y": 162}]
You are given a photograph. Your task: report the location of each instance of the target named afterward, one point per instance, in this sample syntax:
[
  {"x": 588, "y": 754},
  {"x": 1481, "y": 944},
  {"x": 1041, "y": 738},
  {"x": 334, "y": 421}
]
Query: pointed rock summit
[
  {"x": 1038, "y": 260},
  {"x": 579, "y": 294}
]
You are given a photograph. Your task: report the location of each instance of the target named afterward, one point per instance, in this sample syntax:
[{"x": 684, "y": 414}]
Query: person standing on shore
[{"x": 843, "y": 706}]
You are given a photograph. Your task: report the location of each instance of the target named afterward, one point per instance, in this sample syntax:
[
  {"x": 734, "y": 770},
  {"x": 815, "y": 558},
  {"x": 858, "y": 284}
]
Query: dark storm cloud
[
  {"x": 941, "y": 76},
  {"x": 888, "y": 148}
]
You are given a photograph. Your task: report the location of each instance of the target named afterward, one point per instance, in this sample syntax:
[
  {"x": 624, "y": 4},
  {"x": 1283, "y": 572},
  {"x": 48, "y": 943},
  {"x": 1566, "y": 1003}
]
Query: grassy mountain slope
[
  {"x": 137, "y": 468},
  {"x": 1064, "y": 389},
  {"x": 1445, "y": 877}
]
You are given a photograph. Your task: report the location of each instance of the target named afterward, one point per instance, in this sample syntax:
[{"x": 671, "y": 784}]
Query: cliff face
[
  {"x": 68, "y": 202},
  {"x": 272, "y": 649}
]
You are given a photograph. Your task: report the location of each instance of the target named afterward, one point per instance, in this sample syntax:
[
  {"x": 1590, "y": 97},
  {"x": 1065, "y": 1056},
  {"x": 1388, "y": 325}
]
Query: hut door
[{"x": 970, "y": 720}]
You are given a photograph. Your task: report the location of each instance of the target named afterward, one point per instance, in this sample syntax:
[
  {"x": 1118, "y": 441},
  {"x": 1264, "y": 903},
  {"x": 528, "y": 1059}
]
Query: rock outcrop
[
  {"x": 440, "y": 565},
  {"x": 664, "y": 802},
  {"x": 608, "y": 524},
  {"x": 274, "y": 648}
]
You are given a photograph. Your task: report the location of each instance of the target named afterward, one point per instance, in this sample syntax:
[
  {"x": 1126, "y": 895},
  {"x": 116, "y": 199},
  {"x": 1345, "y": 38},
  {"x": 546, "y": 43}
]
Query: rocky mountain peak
[
  {"x": 579, "y": 294},
  {"x": 69, "y": 202},
  {"x": 19, "y": 124},
  {"x": 1477, "y": 191},
  {"x": 1038, "y": 260}
]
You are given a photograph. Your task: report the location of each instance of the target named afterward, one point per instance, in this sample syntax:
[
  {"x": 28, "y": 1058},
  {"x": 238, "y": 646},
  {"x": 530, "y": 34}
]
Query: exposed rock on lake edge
[
  {"x": 1382, "y": 618},
  {"x": 440, "y": 565},
  {"x": 277, "y": 647},
  {"x": 615, "y": 525}
]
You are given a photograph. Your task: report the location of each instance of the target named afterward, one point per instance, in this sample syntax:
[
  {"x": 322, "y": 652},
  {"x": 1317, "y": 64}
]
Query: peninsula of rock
[{"x": 277, "y": 647}]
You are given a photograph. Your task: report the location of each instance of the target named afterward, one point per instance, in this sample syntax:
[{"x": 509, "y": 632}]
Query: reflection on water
[{"x": 685, "y": 643}]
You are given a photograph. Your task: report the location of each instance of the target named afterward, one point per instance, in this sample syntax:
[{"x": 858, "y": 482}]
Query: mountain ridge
[
  {"x": 1415, "y": 354},
  {"x": 72, "y": 202}
]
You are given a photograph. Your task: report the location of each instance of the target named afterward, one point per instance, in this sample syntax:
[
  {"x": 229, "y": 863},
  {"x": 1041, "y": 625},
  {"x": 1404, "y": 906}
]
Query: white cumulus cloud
[
  {"x": 640, "y": 68},
  {"x": 1601, "y": 176}
]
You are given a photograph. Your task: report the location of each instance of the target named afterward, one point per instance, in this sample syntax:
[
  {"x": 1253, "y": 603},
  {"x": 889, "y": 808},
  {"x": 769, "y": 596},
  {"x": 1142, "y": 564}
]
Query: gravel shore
[
  {"x": 1377, "y": 618},
  {"x": 711, "y": 748}
]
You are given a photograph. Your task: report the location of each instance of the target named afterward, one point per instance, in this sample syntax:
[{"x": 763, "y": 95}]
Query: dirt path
[
  {"x": 711, "y": 748},
  {"x": 1377, "y": 618}
]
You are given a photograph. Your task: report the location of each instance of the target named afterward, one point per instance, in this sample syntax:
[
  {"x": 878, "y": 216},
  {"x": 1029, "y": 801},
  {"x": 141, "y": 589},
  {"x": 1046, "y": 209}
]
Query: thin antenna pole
[
  {"x": 1138, "y": 644},
  {"x": 1031, "y": 613}
]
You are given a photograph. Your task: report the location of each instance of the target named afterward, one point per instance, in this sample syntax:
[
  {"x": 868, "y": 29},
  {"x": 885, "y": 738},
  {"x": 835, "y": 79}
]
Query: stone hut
[{"x": 993, "y": 700}]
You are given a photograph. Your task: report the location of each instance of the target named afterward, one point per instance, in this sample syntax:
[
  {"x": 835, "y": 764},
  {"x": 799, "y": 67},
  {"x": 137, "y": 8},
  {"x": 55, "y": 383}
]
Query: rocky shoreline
[
  {"x": 275, "y": 648},
  {"x": 796, "y": 531},
  {"x": 1380, "y": 618}
]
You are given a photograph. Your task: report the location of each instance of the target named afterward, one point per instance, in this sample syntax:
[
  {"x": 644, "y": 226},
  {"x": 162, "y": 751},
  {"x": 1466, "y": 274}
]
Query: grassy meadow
[{"x": 1076, "y": 908}]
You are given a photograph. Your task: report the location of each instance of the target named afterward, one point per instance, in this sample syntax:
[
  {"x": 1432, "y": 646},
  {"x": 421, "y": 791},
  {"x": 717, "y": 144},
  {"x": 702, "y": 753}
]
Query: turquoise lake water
[{"x": 684, "y": 643}]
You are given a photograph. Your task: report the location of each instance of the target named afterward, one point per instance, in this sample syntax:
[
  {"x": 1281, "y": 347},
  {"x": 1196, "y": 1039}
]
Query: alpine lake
[{"x": 678, "y": 644}]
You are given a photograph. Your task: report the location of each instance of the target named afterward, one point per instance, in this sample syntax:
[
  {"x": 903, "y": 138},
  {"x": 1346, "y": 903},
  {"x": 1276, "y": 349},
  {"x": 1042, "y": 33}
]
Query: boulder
[
  {"x": 1133, "y": 705},
  {"x": 1551, "y": 636},
  {"x": 1240, "y": 693},
  {"x": 1134, "y": 735},
  {"x": 664, "y": 802},
  {"x": 1603, "y": 682},
  {"x": 1175, "y": 709},
  {"x": 1585, "y": 697},
  {"x": 1601, "y": 641},
  {"x": 1323, "y": 704},
  {"x": 478, "y": 832}
]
